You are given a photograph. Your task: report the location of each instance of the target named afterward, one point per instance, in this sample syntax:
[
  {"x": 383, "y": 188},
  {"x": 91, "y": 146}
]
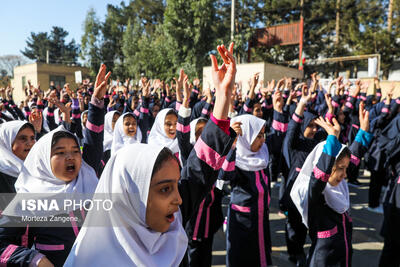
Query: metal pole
[{"x": 232, "y": 19}]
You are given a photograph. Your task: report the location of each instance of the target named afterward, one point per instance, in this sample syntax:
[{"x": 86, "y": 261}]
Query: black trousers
[
  {"x": 295, "y": 232},
  {"x": 200, "y": 252},
  {"x": 375, "y": 187}
]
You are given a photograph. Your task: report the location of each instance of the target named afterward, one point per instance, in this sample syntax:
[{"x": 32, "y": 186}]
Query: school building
[{"x": 43, "y": 73}]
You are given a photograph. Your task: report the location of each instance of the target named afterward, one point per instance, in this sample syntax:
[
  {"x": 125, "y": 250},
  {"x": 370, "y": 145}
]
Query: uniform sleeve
[
  {"x": 322, "y": 171},
  {"x": 358, "y": 148},
  {"x": 144, "y": 118},
  {"x": 279, "y": 129},
  {"x": 291, "y": 134},
  {"x": 183, "y": 133},
  {"x": 12, "y": 253},
  {"x": 204, "y": 163},
  {"x": 93, "y": 142},
  {"x": 227, "y": 171},
  {"x": 247, "y": 107}
]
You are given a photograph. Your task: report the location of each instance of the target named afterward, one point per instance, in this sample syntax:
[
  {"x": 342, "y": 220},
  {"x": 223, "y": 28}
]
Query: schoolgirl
[
  {"x": 54, "y": 165},
  {"x": 321, "y": 194},
  {"x": 156, "y": 201},
  {"x": 163, "y": 132},
  {"x": 16, "y": 140},
  {"x": 110, "y": 119},
  {"x": 248, "y": 235},
  {"x": 126, "y": 132}
]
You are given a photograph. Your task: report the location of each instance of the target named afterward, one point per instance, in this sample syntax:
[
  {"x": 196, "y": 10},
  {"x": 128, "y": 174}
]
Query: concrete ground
[{"x": 367, "y": 243}]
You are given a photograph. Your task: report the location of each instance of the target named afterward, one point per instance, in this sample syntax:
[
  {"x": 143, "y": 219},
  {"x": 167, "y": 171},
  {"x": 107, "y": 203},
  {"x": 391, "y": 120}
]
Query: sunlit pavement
[{"x": 367, "y": 243}]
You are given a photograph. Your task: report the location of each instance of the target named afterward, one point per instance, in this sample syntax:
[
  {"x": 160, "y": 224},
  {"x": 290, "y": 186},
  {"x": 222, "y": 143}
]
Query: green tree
[
  {"x": 59, "y": 51},
  {"x": 90, "y": 42}
]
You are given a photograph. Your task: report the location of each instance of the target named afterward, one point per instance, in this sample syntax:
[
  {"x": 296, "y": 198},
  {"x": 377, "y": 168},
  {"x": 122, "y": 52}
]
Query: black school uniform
[
  {"x": 331, "y": 232},
  {"x": 248, "y": 234},
  {"x": 55, "y": 243}
]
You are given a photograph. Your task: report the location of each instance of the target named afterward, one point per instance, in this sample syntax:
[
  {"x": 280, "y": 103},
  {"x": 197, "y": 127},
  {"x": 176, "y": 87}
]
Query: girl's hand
[
  {"x": 224, "y": 79},
  {"x": 363, "y": 117},
  {"x": 100, "y": 86},
  {"x": 330, "y": 128},
  {"x": 277, "y": 101}
]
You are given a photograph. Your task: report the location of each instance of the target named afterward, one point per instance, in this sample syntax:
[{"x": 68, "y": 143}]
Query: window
[{"x": 58, "y": 80}]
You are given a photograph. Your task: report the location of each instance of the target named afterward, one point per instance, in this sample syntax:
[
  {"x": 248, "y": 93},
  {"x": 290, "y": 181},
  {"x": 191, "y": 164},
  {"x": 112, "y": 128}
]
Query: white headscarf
[
  {"x": 45, "y": 123},
  {"x": 37, "y": 176},
  {"x": 10, "y": 164},
  {"x": 108, "y": 130},
  {"x": 245, "y": 158},
  {"x": 158, "y": 136},
  {"x": 129, "y": 175},
  {"x": 120, "y": 139},
  {"x": 336, "y": 197},
  {"x": 84, "y": 125},
  {"x": 193, "y": 125}
]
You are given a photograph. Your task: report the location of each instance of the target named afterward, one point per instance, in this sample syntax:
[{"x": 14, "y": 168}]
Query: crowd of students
[{"x": 171, "y": 152}]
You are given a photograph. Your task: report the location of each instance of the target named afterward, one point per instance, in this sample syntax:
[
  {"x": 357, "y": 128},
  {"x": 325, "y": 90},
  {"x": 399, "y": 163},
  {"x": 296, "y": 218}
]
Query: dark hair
[
  {"x": 25, "y": 126},
  {"x": 164, "y": 156},
  {"x": 171, "y": 112},
  {"x": 129, "y": 115},
  {"x": 345, "y": 153},
  {"x": 62, "y": 134}
]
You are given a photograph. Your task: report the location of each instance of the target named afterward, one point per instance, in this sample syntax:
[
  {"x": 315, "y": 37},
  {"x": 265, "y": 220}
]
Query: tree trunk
[
  {"x": 390, "y": 16},
  {"x": 337, "y": 28}
]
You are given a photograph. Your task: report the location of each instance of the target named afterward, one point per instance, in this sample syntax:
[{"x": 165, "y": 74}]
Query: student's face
[
  {"x": 84, "y": 119},
  {"x": 23, "y": 143},
  {"x": 259, "y": 141},
  {"x": 130, "y": 126},
  {"x": 65, "y": 159},
  {"x": 114, "y": 120},
  {"x": 257, "y": 111},
  {"x": 339, "y": 171},
  {"x": 170, "y": 125},
  {"x": 199, "y": 128},
  {"x": 155, "y": 111},
  {"x": 341, "y": 117},
  {"x": 164, "y": 198},
  {"x": 311, "y": 130}
]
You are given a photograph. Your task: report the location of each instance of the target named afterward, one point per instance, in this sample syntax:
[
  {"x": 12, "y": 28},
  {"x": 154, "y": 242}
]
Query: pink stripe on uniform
[
  {"x": 265, "y": 177},
  {"x": 208, "y": 155},
  {"x": 279, "y": 126},
  {"x": 204, "y": 111},
  {"x": 178, "y": 106},
  {"x": 136, "y": 113},
  {"x": 261, "y": 244},
  {"x": 355, "y": 160},
  {"x": 24, "y": 238},
  {"x": 76, "y": 116},
  {"x": 296, "y": 118},
  {"x": 49, "y": 247},
  {"x": 144, "y": 110},
  {"x": 349, "y": 105},
  {"x": 182, "y": 128},
  {"x": 50, "y": 114},
  {"x": 336, "y": 105},
  {"x": 320, "y": 175},
  {"x": 94, "y": 128},
  {"x": 240, "y": 208},
  {"x": 328, "y": 233},
  {"x": 345, "y": 241},
  {"x": 5, "y": 256},
  {"x": 246, "y": 108},
  {"x": 228, "y": 166},
  {"x": 73, "y": 223},
  {"x": 385, "y": 110},
  {"x": 208, "y": 213},
  {"x": 196, "y": 227}
]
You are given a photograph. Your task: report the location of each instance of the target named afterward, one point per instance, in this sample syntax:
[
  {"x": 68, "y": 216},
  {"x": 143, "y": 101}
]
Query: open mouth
[
  {"x": 70, "y": 167},
  {"x": 170, "y": 218}
]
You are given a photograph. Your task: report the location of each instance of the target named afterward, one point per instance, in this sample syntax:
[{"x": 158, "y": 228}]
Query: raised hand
[
  {"x": 224, "y": 80},
  {"x": 331, "y": 128},
  {"x": 36, "y": 119},
  {"x": 186, "y": 91},
  {"x": 328, "y": 100},
  {"x": 100, "y": 86},
  {"x": 146, "y": 89},
  {"x": 363, "y": 116},
  {"x": 179, "y": 85},
  {"x": 277, "y": 101}
]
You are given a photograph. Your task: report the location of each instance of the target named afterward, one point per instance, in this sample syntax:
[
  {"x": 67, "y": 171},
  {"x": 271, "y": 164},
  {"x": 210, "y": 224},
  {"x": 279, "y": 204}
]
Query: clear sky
[{"x": 21, "y": 17}]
